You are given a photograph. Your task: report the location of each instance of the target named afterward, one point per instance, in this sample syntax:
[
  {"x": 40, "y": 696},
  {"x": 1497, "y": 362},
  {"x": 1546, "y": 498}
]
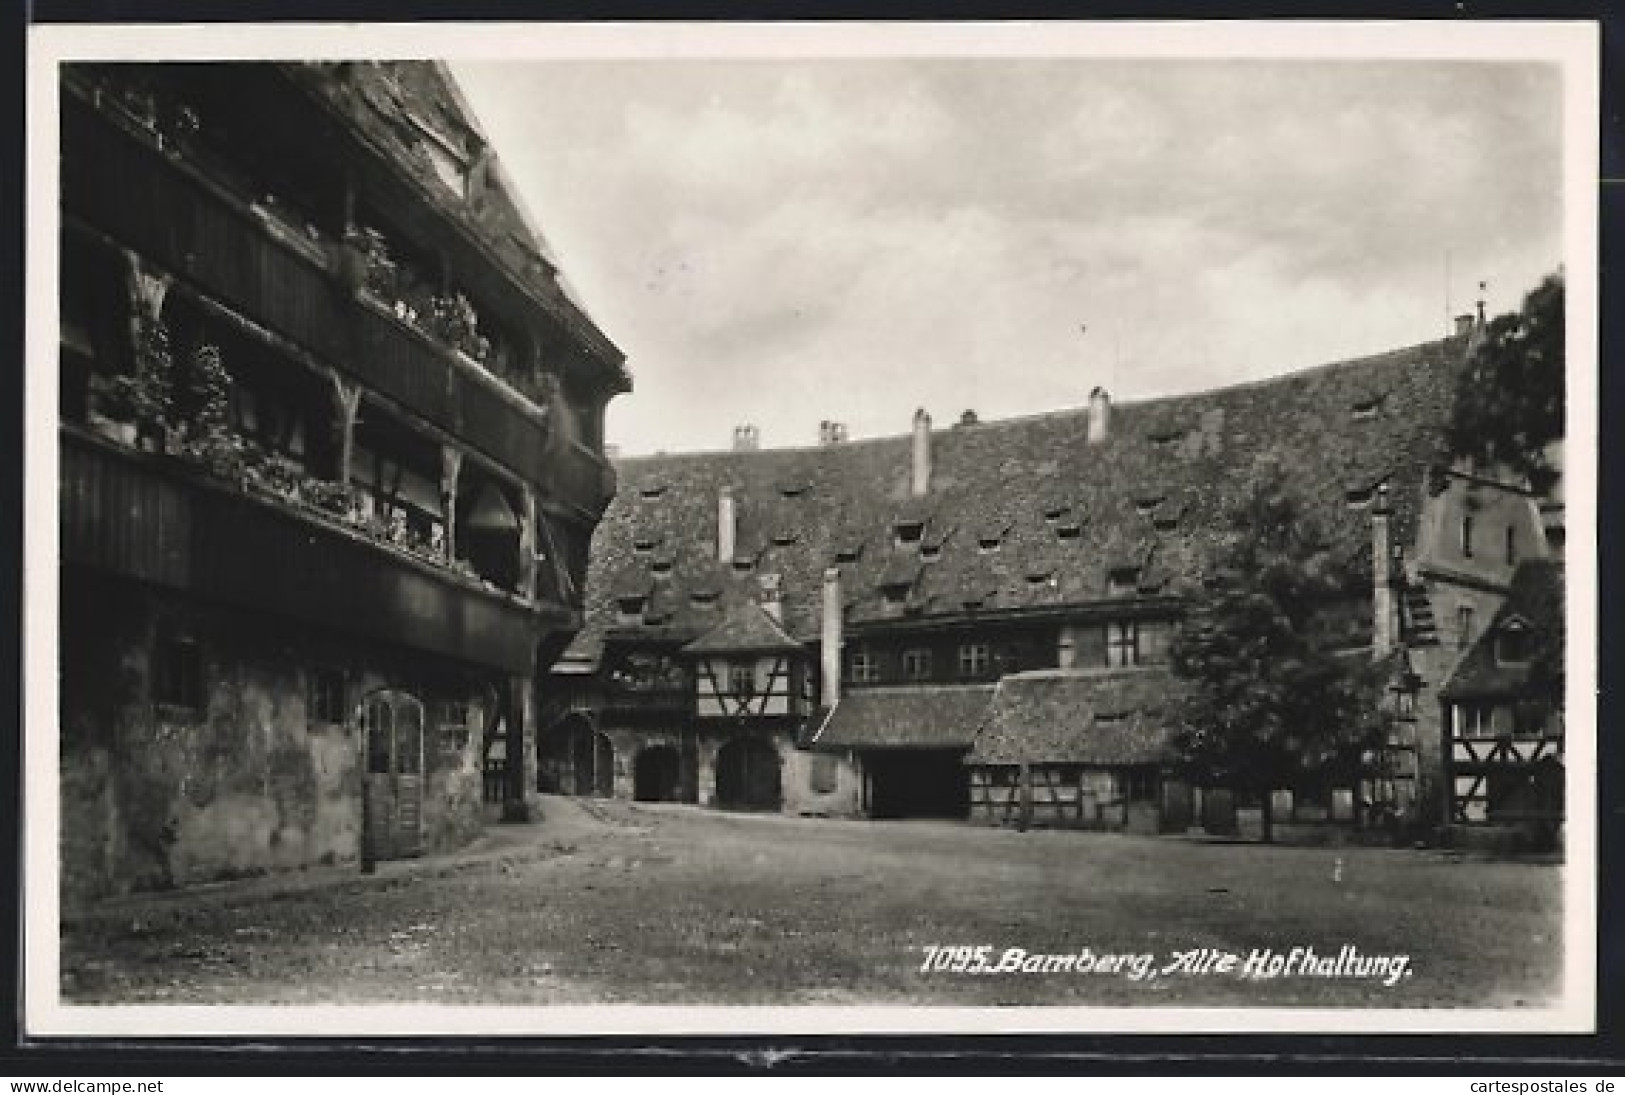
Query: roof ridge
[{"x": 1056, "y": 414}]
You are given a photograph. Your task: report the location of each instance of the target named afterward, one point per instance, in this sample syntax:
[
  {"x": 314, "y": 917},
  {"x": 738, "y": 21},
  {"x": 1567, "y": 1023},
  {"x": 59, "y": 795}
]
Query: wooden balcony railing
[
  {"x": 153, "y": 203},
  {"x": 649, "y": 699},
  {"x": 158, "y": 520}
]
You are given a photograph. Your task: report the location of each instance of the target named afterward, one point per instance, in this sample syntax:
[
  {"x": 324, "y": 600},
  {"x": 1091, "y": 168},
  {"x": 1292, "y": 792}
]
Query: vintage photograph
[{"x": 1049, "y": 528}]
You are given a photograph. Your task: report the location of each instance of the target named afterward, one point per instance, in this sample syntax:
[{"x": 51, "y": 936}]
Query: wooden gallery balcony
[
  {"x": 160, "y": 206},
  {"x": 661, "y": 701},
  {"x": 158, "y": 519}
]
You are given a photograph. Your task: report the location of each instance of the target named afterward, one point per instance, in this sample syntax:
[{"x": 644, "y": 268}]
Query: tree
[
  {"x": 1266, "y": 704},
  {"x": 1509, "y": 400}
]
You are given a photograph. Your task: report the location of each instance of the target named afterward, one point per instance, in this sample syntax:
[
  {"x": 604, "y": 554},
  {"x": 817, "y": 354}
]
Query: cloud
[{"x": 788, "y": 242}]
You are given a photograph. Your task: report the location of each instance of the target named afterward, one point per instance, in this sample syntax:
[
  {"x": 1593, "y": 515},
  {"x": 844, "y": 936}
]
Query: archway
[
  {"x": 748, "y": 775},
  {"x": 575, "y": 759},
  {"x": 657, "y": 775}
]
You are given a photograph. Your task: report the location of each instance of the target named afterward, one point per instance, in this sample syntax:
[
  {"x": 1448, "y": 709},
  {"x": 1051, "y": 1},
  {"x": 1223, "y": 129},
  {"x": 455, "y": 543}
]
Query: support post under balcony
[
  {"x": 451, "y": 468},
  {"x": 346, "y": 405},
  {"x": 520, "y": 703},
  {"x": 527, "y": 542}
]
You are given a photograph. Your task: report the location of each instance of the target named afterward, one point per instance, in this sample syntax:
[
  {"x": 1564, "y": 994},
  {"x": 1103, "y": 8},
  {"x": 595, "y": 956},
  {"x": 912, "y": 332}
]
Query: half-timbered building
[
  {"x": 330, "y": 459},
  {"x": 1503, "y": 716},
  {"x": 985, "y": 610}
]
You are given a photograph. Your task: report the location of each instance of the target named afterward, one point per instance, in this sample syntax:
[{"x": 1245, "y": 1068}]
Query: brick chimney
[
  {"x": 747, "y": 438},
  {"x": 1384, "y": 618},
  {"x": 831, "y": 433},
  {"x": 726, "y": 524},
  {"x": 1100, "y": 416},
  {"x": 1464, "y": 325},
  {"x": 920, "y": 477},
  {"x": 830, "y": 628}
]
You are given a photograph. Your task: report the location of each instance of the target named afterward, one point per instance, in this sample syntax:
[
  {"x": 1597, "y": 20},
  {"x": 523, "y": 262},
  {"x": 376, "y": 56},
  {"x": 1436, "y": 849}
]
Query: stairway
[{"x": 1419, "y": 627}]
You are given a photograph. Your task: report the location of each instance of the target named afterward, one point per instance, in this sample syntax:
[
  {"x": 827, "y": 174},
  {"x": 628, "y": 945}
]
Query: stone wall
[{"x": 248, "y": 781}]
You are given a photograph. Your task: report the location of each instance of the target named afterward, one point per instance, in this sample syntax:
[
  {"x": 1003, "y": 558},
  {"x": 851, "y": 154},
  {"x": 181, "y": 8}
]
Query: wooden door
[{"x": 392, "y": 726}]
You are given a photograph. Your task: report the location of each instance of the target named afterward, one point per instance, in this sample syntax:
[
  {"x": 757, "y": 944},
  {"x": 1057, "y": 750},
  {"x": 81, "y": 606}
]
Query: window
[
  {"x": 629, "y": 610},
  {"x": 742, "y": 678},
  {"x": 177, "y": 672},
  {"x": 1464, "y": 624},
  {"x": 822, "y": 776},
  {"x": 861, "y": 667},
  {"x": 454, "y": 727},
  {"x": 909, "y": 532},
  {"x": 1122, "y": 581},
  {"x": 988, "y": 544},
  {"x": 1512, "y": 545},
  {"x": 917, "y": 664},
  {"x": 973, "y": 659},
  {"x": 1405, "y": 704},
  {"x": 1467, "y": 535},
  {"x": 1474, "y": 720},
  {"x": 1512, "y": 645},
  {"x": 1122, "y": 643},
  {"x": 327, "y": 696}
]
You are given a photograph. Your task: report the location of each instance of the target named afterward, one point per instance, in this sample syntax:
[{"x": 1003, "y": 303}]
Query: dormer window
[
  {"x": 1164, "y": 439},
  {"x": 629, "y": 608},
  {"x": 1122, "y": 581},
  {"x": 1147, "y": 504},
  {"x": 643, "y": 545},
  {"x": 1367, "y": 409},
  {"x": 1037, "y": 578},
  {"x": 848, "y": 553},
  {"x": 784, "y": 538},
  {"x": 909, "y": 532},
  {"x": 930, "y": 552},
  {"x": 1358, "y": 497},
  {"x": 792, "y": 490},
  {"x": 651, "y": 491},
  {"x": 1166, "y": 519},
  {"x": 743, "y": 564},
  {"x": 661, "y": 567},
  {"x": 1111, "y": 718},
  {"x": 703, "y": 596},
  {"x": 1054, "y": 511},
  {"x": 1068, "y": 530},
  {"x": 1513, "y": 643},
  {"x": 989, "y": 544}
]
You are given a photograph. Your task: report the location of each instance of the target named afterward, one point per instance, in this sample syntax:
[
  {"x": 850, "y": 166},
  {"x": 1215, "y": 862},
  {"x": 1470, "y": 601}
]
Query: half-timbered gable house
[{"x": 1504, "y": 724}]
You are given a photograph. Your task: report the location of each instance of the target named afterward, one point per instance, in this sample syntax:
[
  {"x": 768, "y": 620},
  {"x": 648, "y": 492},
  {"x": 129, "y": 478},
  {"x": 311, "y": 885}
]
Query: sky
[{"x": 780, "y": 243}]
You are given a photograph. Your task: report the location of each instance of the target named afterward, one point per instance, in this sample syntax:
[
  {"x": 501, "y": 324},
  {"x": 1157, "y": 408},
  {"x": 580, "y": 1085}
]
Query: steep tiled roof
[
  {"x": 1025, "y": 512},
  {"x": 1536, "y": 598},
  {"x": 1077, "y": 716},
  {"x": 904, "y": 717},
  {"x": 746, "y": 627}
]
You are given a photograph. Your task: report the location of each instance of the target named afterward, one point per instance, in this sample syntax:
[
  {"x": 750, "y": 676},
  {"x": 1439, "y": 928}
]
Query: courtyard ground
[{"x": 611, "y": 902}]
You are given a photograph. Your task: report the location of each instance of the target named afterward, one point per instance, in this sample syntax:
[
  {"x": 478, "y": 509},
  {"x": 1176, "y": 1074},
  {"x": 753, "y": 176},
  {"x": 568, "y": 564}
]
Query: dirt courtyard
[{"x": 611, "y": 902}]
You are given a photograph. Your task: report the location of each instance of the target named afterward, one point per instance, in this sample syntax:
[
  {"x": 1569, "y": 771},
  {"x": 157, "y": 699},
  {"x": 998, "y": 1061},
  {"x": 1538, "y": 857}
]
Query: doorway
[
  {"x": 657, "y": 775},
  {"x": 392, "y": 792},
  {"x": 748, "y": 775}
]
